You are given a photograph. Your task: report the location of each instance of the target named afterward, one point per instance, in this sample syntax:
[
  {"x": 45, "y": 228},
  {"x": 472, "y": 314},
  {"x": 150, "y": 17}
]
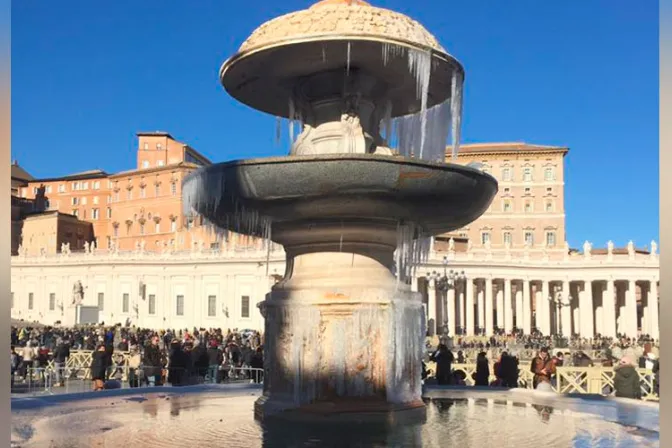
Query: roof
[
  {"x": 154, "y": 134},
  {"x": 84, "y": 175},
  {"x": 19, "y": 173},
  {"x": 508, "y": 148},
  {"x": 154, "y": 169}
]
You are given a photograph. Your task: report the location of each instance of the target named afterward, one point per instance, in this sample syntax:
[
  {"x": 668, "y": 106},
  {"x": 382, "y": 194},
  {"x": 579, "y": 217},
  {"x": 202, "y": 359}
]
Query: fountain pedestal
[{"x": 343, "y": 335}]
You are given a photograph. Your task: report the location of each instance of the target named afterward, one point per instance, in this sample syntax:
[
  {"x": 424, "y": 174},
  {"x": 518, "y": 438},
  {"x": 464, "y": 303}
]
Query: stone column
[
  {"x": 451, "y": 311},
  {"x": 631, "y": 309},
  {"x": 461, "y": 305},
  {"x": 469, "y": 327},
  {"x": 527, "y": 308},
  {"x": 500, "y": 307},
  {"x": 653, "y": 309},
  {"x": 566, "y": 312},
  {"x": 489, "y": 311},
  {"x": 545, "y": 309},
  {"x": 586, "y": 311},
  {"x": 538, "y": 310},
  {"x": 519, "y": 308},
  {"x": 480, "y": 308},
  {"x": 609, "y": 309},
  {"x": 432, "y": 309},
  {"x": 508, "y": 309}
]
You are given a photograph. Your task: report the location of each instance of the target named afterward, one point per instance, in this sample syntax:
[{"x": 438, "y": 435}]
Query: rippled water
[{"x": 212, "y": 418}]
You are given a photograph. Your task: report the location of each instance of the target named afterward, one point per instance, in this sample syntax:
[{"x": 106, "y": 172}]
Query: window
[
  {"x": 129, "y": 194},
  {"x": 158, "y": 146},
  {"x": 173, "y": 226},
  {"x": 85, "y": 185},
  {"x": 508, "y": 238},
  {"x": 84, "y": 200},
  {"x": 180, "y": 306},
  {"x": 145, "y": 146},
  {"x": 528, "y": 207},
  {"x": 96, "y": 185},
  {"x": 84, "y": 214},
  {"x": 35, "y": 190},
  {"x": 529, "y": 238},
  {"x": 157, "y": 227},
  {"x": 94, "y": 213},
  {"x": 116, "y": 196},
  {"x": 145, "y": 163},
  {"x": 550, "y": 239},
  {"x": 549, "y": 206},
  {"x": 30, "y": 300},
  {"x": 75, "y": 186},
  {"x": 75, "y": 201},
  {"x": 142, "y": 192},
  {"x": 549, "y": 190},
  {"x": 528, "y": 191},
  {"x": 109, "y": 241},
  {"x": 245, "y": 306},
  {"x": 124, "y": 303},
  {"x": 507, "y": 206},
  {"x": 75, "y": 212},
  {"x": 95, "y": 200},
  {"x": 101, "y": 301},
  {"x": 485, "y": 237},
  {"x": 159, "y": 163},
  {"x": 173, "y": 188},
  {"x": 152, "y": 304},
  {"x": 527, "y": 174},
  {"x": 212, "y": 306},
  {"x": 157, "y": 190},
  {"x": 109, "y": 199},
  {"x": 507, "y": 190},
  {"x": 463, "y": 235},
  {"x": 52, "y": 301},
  {"x": 109, "y": 213},
  {"x": 116, "y": 232},
  {"x": 549, "y": 174},
  {"x": 142, "y": 229},
  {"x": 506, "y": 174},
  {"x": 214, "y": 246},
  {"x": 47, "y": 189},
  {"x": 61, "y": 188}
]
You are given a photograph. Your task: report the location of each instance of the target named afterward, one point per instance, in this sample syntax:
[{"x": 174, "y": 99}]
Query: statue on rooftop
[
  {"x": 451, "y": 245},
  {"x": 610, "y": 247},
  {"x": 77, "y": 293}
]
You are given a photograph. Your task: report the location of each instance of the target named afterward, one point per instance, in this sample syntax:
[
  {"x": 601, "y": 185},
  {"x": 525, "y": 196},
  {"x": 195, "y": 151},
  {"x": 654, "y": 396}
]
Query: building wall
[
  {"x": 48, "y": 231},
  {"x": 523, "y": 204}
]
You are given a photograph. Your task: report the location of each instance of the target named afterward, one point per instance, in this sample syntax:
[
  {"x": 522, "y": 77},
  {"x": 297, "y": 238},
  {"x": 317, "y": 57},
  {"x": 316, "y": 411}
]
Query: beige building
[{"x": 155, "y": 267}]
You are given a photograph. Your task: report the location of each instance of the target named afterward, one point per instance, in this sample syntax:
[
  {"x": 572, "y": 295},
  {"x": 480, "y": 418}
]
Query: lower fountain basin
[
  {"x": 243, "y": 195},
  {"x": 212, "y": 415}
]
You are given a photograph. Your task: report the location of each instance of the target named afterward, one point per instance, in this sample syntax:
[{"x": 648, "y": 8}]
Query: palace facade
[{"x": 142, "y": 260}]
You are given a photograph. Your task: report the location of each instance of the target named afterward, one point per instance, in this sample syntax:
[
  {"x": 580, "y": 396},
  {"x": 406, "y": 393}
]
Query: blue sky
[{"x": 86, "y": 76}]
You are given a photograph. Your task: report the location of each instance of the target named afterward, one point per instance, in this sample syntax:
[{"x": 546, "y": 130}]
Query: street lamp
[
  {"x": 559, "y": 302},
  {"x": 443, "y": 283}
]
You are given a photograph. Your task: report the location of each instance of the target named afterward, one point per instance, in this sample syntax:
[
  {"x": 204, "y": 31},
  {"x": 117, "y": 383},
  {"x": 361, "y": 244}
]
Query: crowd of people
[{"x": 153, "y": 358}]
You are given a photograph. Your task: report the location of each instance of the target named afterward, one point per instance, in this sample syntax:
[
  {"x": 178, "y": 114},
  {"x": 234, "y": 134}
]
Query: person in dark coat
[
  {"x": 98, "y": 367},
  {"x": 178, "y": 364},
  {"x": 199, "y": 356},
  {"x": 656, "y": 376},
  {"x": 257, "y": 363},
  {"x": 61, "y": 355},
  {"x": 482, "y": 374},
  {"x": 626, "y": 380},
  {"x": 153, "y": 362},
  {"x": 215, "y": 359},
  {"x": 444, "y": 362}
]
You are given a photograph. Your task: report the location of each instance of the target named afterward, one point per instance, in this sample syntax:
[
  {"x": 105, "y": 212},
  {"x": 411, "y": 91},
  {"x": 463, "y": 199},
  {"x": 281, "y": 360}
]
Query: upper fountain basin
[
  {"x": 344, "y": 37},
  {"x": 438, "y": 197}
]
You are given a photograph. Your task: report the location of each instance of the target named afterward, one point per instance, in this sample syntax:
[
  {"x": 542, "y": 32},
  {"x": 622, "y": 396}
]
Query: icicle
[
  {"x": 324, "y": 54},
  {"x": 456, "y": 111},
  {"x": 292, "y": 112},
  {"x": 347, "y": 72},
  {"x": 278, "y": 130}
]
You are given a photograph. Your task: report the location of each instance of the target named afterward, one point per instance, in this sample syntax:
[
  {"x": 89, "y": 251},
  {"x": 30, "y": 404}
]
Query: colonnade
[{"x": 483, "y": 305}]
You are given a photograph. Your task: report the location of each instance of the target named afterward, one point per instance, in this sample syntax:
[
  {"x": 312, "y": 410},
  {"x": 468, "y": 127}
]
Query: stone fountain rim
[
  {"x": 395, "y": 160},
  {"x": 439, "y": 55}
]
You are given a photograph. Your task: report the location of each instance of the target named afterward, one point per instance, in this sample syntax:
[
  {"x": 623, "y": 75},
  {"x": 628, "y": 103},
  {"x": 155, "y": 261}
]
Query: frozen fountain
[{"x": 371, "y": 99}]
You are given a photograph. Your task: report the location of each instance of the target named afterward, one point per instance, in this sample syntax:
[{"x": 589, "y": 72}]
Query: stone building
[{"x": 154, "y": 266}]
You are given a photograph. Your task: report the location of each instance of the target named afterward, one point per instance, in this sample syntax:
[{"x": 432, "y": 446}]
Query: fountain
[
  {"x": 344, "y": 332},
  {"x": 370, "y": 99}
]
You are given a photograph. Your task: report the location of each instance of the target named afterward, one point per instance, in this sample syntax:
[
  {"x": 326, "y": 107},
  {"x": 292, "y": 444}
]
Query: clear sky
[{"x": 86, "y": 76}]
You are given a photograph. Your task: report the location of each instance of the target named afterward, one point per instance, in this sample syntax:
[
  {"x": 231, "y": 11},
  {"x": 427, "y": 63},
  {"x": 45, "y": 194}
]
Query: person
[
  {"x": 153, "y": 363},
  {"x": 99, "y": 367},
  {"x": 656, "y": 376},
  {"x": 444, "y": 360},
  {"x": 134, "y": 361},
  {"x": 258, "y": 365},
  {"x": 61, "y": 355},
  {"x": 543, "y": 369},
  {"x": 177, "y": 364},
  {"x": 626, "y": 380},
  {"x": 14, "y": 362},
  {"x": 482, "y": 374},
  {"x": 215, "y": 359}
]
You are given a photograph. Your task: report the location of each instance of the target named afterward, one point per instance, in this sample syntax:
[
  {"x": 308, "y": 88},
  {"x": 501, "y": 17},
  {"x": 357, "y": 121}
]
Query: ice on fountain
[
  {"x": 456, "y": 110},
  {"x": 347, "y": 70},
  {"x": 412, "y": 250},
  {"x": 202, "y": 193}
]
